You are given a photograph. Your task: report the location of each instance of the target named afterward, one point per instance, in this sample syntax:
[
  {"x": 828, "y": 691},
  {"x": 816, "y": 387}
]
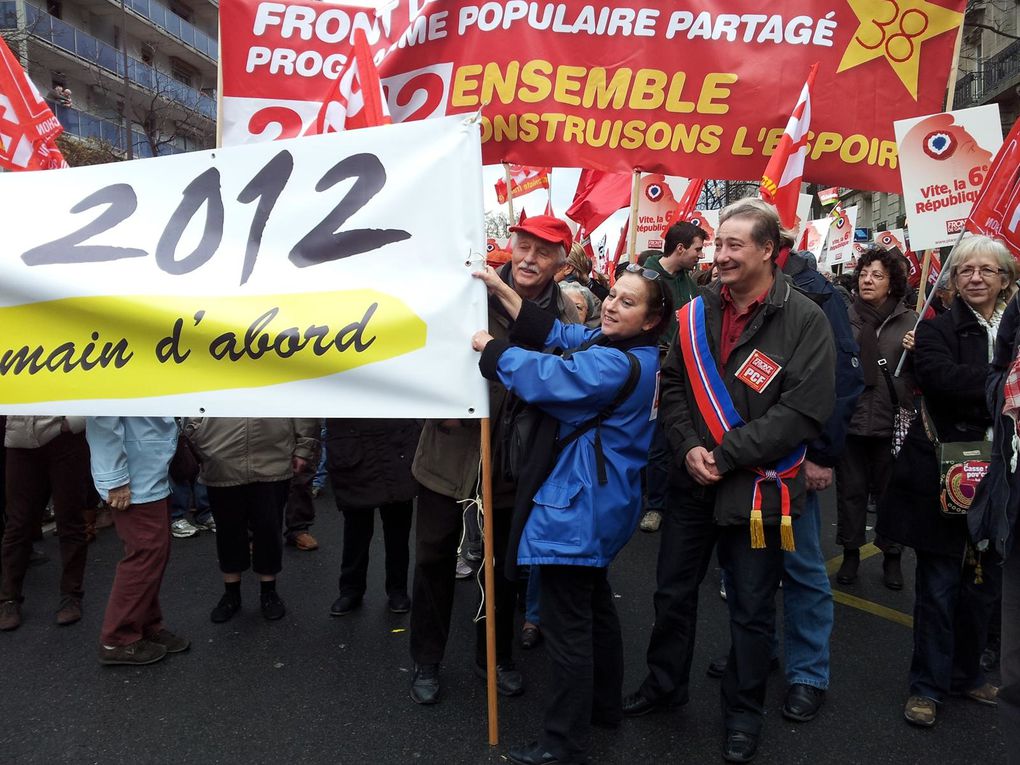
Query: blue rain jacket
[{"x": 132, "y": 450}]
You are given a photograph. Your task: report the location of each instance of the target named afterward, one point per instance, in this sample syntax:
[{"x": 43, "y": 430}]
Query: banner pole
[
  {"x": 927, "y": 303},
  {"x": 954, "y": 71},
  {"x": 925, "y": 268},
  {"x": 219, "y": 90},
  {"x": 635, "y": 191},
  {"x": 488, "y": 564},
  {"x": 509, "y": 194}
]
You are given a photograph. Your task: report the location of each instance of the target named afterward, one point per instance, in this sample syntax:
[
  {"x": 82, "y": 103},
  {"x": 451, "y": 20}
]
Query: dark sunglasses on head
[{"x": 648, "y": 273}]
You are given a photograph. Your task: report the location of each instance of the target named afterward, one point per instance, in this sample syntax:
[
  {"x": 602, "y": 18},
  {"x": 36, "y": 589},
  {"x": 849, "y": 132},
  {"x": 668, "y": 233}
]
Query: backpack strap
[{"x": 596, "y": 422}]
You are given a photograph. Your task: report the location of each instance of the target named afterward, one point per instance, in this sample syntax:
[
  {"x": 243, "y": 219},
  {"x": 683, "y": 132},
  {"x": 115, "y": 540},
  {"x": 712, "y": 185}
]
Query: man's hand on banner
[
  {"x": 500, "y": 289},
  {"x": 480, "y": 339}
]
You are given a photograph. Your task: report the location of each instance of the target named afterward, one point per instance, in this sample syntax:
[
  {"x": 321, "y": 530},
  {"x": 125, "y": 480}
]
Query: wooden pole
[
  {"x": 509, "y": 196},
  {"x": 219, "y": 90},
  {"x": 925, "y": 268},
  {"x": 954, "y": 71},
  {"x": 488, "y": 564},
  {"x": 635, "y": 192}
]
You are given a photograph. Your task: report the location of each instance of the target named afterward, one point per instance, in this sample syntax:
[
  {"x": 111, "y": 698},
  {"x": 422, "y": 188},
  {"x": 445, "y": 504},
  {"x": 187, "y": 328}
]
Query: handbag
[
  {"x": 902, "y": 416},
  {"x": 962, "y": 465}
]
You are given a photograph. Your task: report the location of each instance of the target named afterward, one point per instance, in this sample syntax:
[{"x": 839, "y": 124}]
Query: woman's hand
[
  {"x": 479, "y": 340},
  {"x": 501, "y": 290},
  {"x": 908, "y": 340}
]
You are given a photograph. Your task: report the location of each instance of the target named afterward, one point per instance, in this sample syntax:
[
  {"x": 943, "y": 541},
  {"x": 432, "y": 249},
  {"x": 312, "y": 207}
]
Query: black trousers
[
  {"x": 300, "y": 510},
  {"x": 687, "y": 539},
  {"x": 255, "y": 508},
  {"x": 751, "y": 597},
  {"x": 437, "y": 532},
  {"x": 864, "y": 470},
  {"x": 359, "y": 526},
  {"x": 585, "y": 650}
]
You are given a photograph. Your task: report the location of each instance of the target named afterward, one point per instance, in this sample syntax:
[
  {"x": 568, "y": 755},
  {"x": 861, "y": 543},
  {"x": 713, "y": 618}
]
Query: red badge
[{"x": 758, "y": 371}]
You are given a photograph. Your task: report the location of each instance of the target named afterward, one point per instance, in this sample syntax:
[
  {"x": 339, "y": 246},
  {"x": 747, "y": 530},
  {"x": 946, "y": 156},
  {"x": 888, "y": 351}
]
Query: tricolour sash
[{"x": 716, "y": 407}]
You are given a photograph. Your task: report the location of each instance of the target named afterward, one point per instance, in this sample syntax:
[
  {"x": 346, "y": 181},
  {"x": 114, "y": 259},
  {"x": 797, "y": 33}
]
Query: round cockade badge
[{"x": 939, "y": 144}]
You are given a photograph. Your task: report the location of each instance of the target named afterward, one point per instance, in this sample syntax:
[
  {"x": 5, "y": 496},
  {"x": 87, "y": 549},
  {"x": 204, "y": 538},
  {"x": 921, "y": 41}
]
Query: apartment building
[{"x": 148, "y": 66}]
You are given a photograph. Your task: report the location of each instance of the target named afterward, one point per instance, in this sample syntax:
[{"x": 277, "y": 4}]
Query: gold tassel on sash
[
  {"x": 757, "y": 530},
  {"x": 786, "y": 532}
]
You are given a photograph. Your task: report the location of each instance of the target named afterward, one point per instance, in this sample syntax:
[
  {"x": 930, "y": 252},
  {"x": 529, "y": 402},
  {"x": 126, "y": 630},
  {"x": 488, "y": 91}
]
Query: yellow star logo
[{"x": 895, "y": 30}]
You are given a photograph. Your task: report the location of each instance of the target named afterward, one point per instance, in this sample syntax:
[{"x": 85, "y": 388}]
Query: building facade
[{"x": 148, "y": 66}]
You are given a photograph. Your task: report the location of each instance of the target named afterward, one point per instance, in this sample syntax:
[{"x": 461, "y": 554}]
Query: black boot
[
  {"x": 892, "y": 575},
  {"x": 847, "y": 573}
]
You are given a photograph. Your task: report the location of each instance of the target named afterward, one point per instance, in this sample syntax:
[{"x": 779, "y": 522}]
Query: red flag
[
  {"x": 688, "y": 203},
  {"x": 935, "y": 268},
  {"x": 349, "y": 107},
  {"x": 28, "y": 128},
  {"x": 780, "y": 184},
  {"x": 523, "y": 180},
  {"x": 621, "y": 248},
  {"x": 598, "y": 196},
  {"x": 996, "y": 210},
  {"x": 548, "y": 206}
]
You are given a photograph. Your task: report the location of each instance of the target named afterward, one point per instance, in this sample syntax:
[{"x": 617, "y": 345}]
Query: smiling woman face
[
  {"x": 979, "y": 280},
  {"x": 626, "y": 312}
]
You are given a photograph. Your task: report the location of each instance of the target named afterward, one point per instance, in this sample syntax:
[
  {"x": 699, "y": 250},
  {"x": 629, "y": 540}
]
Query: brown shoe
[
  {"x": 171, "y": 642},
  {"x": 139, "y": 652},
  {"x": 10, "y": 615},
  {"x": 304, "y": 541},
  {"x": 986, "y": 694},
  {"x": 920, "y": 710},
  {"x": 69, "y": 611}
]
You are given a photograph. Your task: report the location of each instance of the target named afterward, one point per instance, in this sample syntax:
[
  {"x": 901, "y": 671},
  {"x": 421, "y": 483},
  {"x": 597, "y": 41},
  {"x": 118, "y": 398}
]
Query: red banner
[
  {"x": 688, "y": 88},
  {"x": 523, "y": 180},
  {"x": 28, "y": 127},
  {"x": 996, "y": 211}
]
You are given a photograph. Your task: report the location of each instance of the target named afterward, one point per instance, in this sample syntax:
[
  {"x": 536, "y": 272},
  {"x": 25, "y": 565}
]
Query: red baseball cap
[{"x": 548, "y": 229}]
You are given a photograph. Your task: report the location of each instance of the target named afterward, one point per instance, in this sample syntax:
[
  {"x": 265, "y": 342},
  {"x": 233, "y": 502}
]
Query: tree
[
  {"x": 497, "y": 226},
  {"x": 87, "y": 151}
]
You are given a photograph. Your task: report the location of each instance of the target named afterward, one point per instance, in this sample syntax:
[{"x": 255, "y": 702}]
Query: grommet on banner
[
  {"x": 476, "y": 117},
  {"x": 474, "y": 258}
]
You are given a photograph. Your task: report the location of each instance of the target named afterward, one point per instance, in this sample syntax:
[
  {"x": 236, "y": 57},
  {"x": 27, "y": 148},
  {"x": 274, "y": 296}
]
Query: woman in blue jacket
[{"x": 590, "y": 504}]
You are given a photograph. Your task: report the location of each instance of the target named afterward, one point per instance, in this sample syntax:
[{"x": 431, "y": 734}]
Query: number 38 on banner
[{"x": 202, "y": 202}]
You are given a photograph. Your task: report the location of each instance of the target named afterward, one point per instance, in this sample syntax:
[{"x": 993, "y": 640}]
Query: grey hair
[
  {"x": 977, "y": 245},
  {"x": 559, "y": 247}
]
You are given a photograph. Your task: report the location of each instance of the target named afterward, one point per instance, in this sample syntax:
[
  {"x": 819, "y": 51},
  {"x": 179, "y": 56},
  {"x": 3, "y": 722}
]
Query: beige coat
[
  {"x": 241, "y": 450},
  {"x": 25, "y": 432}
]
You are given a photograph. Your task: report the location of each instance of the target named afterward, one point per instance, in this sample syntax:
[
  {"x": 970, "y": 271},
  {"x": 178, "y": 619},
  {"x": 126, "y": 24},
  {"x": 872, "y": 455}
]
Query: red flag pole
[
  {"x": 925, "y": 268},
  {"x": 488, "y": 564}
]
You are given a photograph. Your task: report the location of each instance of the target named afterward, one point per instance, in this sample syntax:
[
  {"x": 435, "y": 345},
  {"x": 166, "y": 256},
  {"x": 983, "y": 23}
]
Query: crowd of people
[{"x": 711, "y": 407}]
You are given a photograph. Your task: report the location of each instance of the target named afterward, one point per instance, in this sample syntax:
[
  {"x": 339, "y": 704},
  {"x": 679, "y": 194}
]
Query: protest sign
[
  {"x": 841, "y": 238},
  {"x": 943, "y": 161},
  {"x": 299, "y": 278},
  {"x": 657, "y": 201},
  {"x": 708, "y": 220},
  {"x": 571, "y": 84},
  {"x": 814, "y": 234}
]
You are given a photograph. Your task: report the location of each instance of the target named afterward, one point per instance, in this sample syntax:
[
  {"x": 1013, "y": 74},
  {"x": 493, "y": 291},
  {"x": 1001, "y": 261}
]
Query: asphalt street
[{"x": 315, "y": 689}]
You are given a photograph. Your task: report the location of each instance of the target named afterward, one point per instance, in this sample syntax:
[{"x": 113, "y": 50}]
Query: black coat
[
  {"x": 950, "y": 365},
  {"x": 369, "y": 461}
]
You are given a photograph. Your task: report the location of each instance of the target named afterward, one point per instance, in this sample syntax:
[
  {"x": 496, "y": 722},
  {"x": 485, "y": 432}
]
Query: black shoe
[
  {"x": 530, "y": 637},
  {"x": 847, "y": 573},
  {"x": 399, "y": 603},
  {"x": 344, "y": 605},
  {"x": 717, "y": 667},
  {"x": 802, "y": 702},
  {"x": 225, "y": 609},
  {"x": 739, "y": 746},
  {"x": 509, "y": 681},
  {"x": 892, "y": 575},
  {"x": 272, "y": 606},
  {"x": 534, "y": 754},
  {"x": 638, "y": 705},
  {"x": 425, "y": 684}
]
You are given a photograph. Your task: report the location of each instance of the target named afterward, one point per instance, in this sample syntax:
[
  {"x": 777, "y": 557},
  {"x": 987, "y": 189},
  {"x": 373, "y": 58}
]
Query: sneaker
[
  {"x": 722, "y": 588},
  {"x": 651, "y": 521},
  {"x": 171, "y": 642},
  {"x": 272, "y": 606},
  {"x": 208, "y": 523},
  {"x": 987, "y": 694},
  {"x": 225, "y": 609},
  {"x": 464, "y": 570},
  {"x": 303, "y": 541},
  {"x": 182, "y": 528},
  {"x": 10, "y": 615},
  {"x": 425, "y": 684},
  {"x": 139, "y": 652},
  {"x": 69, "y": 611},
  {"x": 920, "y": 710}
]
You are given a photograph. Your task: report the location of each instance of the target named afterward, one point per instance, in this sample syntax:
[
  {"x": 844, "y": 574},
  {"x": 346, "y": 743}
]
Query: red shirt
[{"x": 734, "y": 321}]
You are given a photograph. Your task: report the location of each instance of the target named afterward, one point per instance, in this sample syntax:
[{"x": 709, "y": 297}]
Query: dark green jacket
[
  {"x": 791, "y": 330},
  {"x": 682, "y": 288}
]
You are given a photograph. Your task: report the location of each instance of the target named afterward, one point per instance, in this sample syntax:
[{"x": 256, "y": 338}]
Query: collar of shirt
[{"x": 734, "y": 321}]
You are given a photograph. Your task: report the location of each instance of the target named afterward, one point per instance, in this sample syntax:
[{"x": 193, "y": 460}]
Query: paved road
[{"x": 315, "y": 689}]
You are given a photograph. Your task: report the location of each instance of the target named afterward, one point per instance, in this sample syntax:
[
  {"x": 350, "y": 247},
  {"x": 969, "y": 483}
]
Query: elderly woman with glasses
[
  {"x": 955, "y": 587},
  {"x": 880, "y": 321},
  {"x": 599, "y": 395}
]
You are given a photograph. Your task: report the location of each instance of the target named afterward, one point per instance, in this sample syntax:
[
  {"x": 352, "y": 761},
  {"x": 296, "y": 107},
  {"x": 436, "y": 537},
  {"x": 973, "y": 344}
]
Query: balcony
[
  {"x": 174, "y": 26},
  {"x": 996, "y": 72},
  {"x": 52, "y": 30}
]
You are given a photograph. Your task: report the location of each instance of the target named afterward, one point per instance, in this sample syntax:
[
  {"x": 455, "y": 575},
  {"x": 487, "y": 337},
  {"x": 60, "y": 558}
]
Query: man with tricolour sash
[{"x": 748, "y": 383}]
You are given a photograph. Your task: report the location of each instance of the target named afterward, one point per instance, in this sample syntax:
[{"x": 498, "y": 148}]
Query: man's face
[
  {"x": 535, "y": 262},
  {"x": 738, "y": 258}
]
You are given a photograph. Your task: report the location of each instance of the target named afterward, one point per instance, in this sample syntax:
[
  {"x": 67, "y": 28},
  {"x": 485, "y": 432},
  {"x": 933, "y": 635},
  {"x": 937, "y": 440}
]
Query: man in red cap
[{"x": 446, "y": 467}]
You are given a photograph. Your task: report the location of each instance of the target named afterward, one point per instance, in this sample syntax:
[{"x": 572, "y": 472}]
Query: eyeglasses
[
  {"x": 986, "y": 272},
  {"x": 875, "y": 276},
  {"x": 648, "y": 273}
]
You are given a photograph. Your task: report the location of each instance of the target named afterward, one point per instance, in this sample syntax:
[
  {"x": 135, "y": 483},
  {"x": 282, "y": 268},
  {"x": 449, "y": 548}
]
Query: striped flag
[
  {"x": 828, "y": 196},
  {"x": 780, "y": 184},
  {"x": 28, "y": 127}
]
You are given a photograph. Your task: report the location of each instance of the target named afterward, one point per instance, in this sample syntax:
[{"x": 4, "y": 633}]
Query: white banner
[
  {"x": 321, "y": 276},
  {"x": 657, "y": 201},
  {"x": 943, "y": 161},
  {"x": 841, "y": 238}
]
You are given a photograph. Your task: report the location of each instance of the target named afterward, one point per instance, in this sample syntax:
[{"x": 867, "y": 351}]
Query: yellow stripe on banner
[
  {"x": 861, "y": 604},
  {"x": 873, "y": 608}
]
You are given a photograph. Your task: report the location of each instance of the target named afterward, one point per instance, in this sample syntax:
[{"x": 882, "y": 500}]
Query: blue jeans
[
  {"x": 319, "y": 479},
  {"x": 807, "y": 602},
  {"x": 183, "y": 497},
  {"x": 531, "y": 598}
]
